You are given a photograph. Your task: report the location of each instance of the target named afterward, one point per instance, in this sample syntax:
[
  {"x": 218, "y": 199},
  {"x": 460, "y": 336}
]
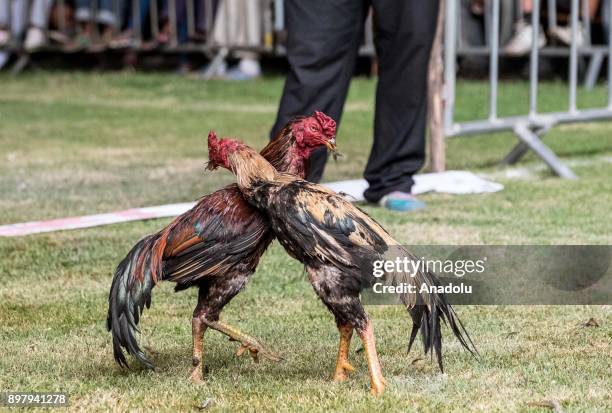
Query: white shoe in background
[
  {"x": 520, "y": 43},
  {"x": 247, "y": 69},
  {"x": 564, "y": 34},
  {"x": 35, "y": 39},
  {"x": 5, "y": 36}
]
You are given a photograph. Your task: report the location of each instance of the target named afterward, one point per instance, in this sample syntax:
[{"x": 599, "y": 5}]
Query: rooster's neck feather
[
  {"x": 250, "y": 167},
  {"x": 285, "y": 155}
]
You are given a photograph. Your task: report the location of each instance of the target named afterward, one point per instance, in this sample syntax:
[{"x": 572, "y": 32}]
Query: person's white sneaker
[
  {"x": 564, "y": 34},
  {"x": 247, "y": 69},
  {"x": 520, "y": 43},
  {"x": 250, "y": 66},
  {"x": 35, "y": 39},
  {"x": 5, "y": 36}
]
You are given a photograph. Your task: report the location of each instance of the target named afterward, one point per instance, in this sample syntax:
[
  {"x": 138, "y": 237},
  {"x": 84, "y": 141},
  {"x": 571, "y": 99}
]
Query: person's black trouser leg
[
  {"x": 323, "y": 38},
  {"x": 403, "y": 38}
]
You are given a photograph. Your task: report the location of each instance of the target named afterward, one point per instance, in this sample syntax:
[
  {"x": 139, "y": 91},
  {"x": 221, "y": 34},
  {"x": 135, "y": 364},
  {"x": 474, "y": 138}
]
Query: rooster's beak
[{"x": 331, "y": 145}]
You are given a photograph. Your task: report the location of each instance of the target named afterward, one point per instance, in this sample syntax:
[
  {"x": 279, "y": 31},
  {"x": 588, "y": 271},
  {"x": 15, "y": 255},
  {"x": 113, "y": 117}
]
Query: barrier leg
[
  {"x": 516, "y": 154},
  {"x": 22, "y": 62},
  {"x": 215, "y": 63},
  {"x": 595, "y": 63},
  {"x": 532, "y": 140},
  {"x": 522, "y": 148}
]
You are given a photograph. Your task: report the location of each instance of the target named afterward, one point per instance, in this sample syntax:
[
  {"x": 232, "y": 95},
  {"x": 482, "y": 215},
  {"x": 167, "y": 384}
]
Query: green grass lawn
[{"x": 85, "y": 143}]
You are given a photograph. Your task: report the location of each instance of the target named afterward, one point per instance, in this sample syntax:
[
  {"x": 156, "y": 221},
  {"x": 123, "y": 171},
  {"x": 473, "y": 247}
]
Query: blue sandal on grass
[{"x": 401, "y": 202}]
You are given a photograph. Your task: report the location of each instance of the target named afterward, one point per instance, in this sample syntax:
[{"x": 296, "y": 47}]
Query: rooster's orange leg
[
  {"x": 376, "y": 378},
  {"x": 197, "y": 328},
  {"x": 343, "y": 367}
]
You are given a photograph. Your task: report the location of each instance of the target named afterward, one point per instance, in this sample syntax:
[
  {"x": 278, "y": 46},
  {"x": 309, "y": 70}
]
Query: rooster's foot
[
  {"x": 196, "y": 375},
  {"x": 343, "y": 367},
  {"x": 342, "y": 371},
  {"x": 253, "y": 352},
  {"x": 247, "y": 342},
  {"x": 255, "y": 349}
]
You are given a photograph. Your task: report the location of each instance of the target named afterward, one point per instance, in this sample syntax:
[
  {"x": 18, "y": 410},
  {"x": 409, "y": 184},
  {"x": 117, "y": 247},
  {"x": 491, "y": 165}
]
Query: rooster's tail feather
[
  {"x": 130, "y": 292},
  {"x": 427, "y": 319}
]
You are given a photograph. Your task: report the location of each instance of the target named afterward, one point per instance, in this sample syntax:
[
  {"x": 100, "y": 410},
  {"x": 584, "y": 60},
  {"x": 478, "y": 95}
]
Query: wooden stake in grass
[{"x": 435, "y": 102}]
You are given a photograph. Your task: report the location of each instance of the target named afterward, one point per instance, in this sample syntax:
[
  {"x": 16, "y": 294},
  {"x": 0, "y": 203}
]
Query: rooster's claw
[
  {"x": 247, "y": 342},
  {"x": 255, "y": 350}
]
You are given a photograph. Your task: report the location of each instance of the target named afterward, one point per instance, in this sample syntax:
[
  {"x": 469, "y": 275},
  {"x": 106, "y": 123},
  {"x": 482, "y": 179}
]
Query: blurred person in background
[
  {"x": 323, "y": 38},
  {"x": 14, "y": 20},
  {"x": 520, "y": 43},
  {"x": 563, "y": 33},
  {"x": 182, "y": 34},
  {"x": 238, "y": 24},
  {"x": 182, "y": 21},
  {"x": 87, "y": 32},
  {"x": 127, "y": 36},
  {"x": 474, "y": 31},
  {"x": 165, "y": 33},
  {"x": 605, "y": 17},
  {"x": 164, "y": 36}
]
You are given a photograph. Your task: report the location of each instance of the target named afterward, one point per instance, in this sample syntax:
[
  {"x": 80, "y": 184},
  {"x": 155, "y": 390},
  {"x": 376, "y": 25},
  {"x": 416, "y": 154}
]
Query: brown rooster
[
  {"x": 333, "y": 239},
  {"x": 215, "y": 246}
]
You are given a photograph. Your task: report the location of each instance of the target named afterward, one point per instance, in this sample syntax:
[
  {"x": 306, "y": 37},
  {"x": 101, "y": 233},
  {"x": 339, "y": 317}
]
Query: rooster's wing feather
[
  {"x": 218, "y": 234},
  {"x": 328, "y": 226}
]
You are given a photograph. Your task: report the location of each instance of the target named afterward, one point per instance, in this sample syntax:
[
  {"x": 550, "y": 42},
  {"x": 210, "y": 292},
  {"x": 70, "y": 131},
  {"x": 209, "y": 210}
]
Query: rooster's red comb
[
  {"x": 214, "y": 150},
  {"x": 220, "y": 147},
  {"x": 327, "y": 124},
  {"x": 213, "y": 142}
]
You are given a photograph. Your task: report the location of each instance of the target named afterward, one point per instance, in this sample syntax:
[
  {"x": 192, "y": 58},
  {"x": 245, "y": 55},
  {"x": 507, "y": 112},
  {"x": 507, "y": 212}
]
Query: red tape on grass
[
  {"x": 450, "y": 182},
  {"x": 87, "y": 221}
]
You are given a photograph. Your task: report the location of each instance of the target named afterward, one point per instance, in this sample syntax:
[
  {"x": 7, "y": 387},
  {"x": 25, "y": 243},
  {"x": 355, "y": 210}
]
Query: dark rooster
[
  {"x": 215, "y": 246},
  {"x": 333, "y": 238}
]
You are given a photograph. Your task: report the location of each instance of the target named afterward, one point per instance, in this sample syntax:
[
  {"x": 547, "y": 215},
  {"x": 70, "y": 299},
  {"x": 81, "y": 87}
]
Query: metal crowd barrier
[{"x": 530, "y": 127}]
